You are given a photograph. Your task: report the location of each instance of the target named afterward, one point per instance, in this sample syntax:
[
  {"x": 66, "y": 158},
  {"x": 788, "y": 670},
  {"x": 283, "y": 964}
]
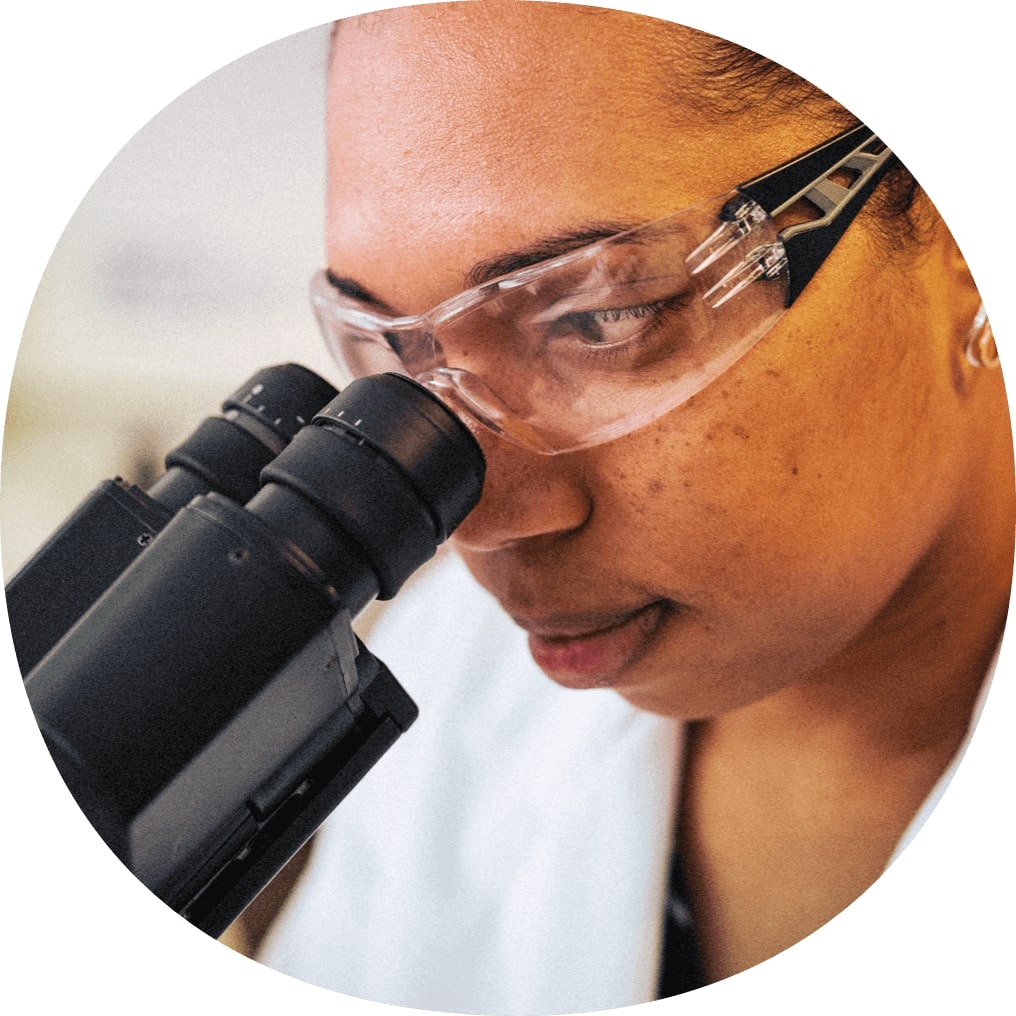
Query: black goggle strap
[{"x": 809, "y": 177}]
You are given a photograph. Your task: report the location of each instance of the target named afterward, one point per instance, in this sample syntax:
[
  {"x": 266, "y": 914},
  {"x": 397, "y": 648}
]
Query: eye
[
  {"x": 395, "y": 342},
  {"x": 413, "y": 347},
  {"x": 612, "y": 326}
]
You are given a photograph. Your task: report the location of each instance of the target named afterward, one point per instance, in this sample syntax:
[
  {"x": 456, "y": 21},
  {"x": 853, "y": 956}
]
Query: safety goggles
[{"x": 585, "y": 347}]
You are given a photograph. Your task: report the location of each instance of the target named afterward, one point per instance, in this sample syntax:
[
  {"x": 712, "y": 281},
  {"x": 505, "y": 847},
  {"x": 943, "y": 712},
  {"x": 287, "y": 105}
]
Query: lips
[{"x": 594, "y": 650}]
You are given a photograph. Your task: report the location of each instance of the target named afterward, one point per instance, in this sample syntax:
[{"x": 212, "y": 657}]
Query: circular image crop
[{"x": 508, "y": 508}]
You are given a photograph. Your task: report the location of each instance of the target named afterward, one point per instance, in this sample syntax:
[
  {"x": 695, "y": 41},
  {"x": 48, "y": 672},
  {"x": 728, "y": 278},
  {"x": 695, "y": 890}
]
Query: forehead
[
  {"x": 471, "y": 94},
  {"x": 482, "y": 126},
  {"x": 503, "y": 64}
]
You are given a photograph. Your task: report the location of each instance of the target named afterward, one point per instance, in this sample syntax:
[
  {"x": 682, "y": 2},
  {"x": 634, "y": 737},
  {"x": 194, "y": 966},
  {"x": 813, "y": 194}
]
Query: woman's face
[{"x": 748, "y": 537}]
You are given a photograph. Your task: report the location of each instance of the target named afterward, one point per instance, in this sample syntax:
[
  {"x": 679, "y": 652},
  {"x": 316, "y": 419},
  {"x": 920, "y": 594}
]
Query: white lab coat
[{"x": 509, "y": 854}]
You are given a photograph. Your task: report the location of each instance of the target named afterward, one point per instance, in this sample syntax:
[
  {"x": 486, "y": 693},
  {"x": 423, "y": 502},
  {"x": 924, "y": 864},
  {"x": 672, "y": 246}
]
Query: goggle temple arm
[{"x": 809, "y": 177}]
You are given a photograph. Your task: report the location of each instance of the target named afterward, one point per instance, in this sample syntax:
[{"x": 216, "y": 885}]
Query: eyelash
[{"x": 656, "y": 313}]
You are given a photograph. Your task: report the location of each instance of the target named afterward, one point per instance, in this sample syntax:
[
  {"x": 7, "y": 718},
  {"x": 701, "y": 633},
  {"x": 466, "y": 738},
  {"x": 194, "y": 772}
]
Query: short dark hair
[{"x": 732, "y": 80}]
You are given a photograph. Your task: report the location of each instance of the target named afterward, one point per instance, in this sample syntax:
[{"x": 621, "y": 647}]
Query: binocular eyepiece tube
[
  {"x": 117, "y": 521},
  {"x": 213, "y": 705}
]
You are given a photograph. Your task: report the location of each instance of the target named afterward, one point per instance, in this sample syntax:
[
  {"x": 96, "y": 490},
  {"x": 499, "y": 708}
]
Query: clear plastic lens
[{"x": 594, "y": 344}]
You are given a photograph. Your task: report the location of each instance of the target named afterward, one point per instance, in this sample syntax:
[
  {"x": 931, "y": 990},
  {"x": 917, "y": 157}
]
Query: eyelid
[{"x": 620, "y": 296}]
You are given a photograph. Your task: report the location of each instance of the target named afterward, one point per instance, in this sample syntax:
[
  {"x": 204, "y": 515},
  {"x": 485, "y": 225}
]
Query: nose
[{"x": 526, "y": 496}]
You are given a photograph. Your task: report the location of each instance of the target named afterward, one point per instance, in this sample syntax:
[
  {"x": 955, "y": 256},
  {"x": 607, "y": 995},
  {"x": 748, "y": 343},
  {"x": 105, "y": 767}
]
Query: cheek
[
  {"x": 734, "y": 536},
  {"x": 775, "y": 498},
  {"x": 709, "y": 507}
]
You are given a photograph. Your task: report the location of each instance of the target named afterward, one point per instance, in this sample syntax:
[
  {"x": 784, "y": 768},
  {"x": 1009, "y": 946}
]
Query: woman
[{"x": 804, "y": 560}]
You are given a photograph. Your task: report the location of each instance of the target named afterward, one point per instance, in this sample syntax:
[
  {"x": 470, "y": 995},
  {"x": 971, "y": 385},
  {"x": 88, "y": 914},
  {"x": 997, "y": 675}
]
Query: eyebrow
[
  {"x": 551, "y": 246},
  {"x": 353, "y": 289},
  {"x": 544, "y": 249}
]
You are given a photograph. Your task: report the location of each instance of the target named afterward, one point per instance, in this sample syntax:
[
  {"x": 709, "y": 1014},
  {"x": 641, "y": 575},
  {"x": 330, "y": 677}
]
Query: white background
[{"x": 935, "y": 934}]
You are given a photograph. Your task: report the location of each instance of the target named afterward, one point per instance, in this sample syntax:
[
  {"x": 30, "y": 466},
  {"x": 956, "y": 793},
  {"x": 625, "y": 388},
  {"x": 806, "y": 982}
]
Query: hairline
[{"x": 720, "y": 80}]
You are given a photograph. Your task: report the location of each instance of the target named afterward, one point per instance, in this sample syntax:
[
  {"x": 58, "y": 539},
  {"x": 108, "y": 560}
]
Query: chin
[{"x": 687, "y": 694}]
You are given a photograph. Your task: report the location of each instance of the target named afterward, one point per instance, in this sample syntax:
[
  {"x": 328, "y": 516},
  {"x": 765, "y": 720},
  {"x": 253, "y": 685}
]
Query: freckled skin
[
  {"x": 783, "y": 507},
  {"x": 843, "y": 572}
]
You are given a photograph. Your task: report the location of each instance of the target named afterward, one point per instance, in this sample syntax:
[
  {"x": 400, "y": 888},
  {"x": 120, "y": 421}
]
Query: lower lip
[{"x": 599, "y": 658}]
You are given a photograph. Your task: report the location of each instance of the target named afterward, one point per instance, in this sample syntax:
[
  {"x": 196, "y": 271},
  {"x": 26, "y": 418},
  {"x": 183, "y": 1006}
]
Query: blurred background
[{"x": 184, "y": 269}]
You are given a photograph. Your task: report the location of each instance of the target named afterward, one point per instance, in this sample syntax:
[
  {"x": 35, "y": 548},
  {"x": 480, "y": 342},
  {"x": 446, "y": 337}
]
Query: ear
[{"x": 963, "y": 327}]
